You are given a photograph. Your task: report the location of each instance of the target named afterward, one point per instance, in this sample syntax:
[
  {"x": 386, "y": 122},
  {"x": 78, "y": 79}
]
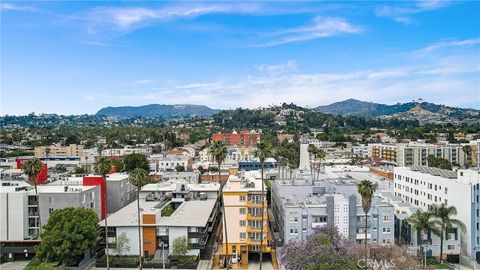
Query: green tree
[
  {"x": 80, "y": 170},
  {"x": 32, "y": 169},
  {"x": 139, "y": 178},
  {"x": 118, "y": 164},
  {"x": 69, "y": 233},
  {"x": 102, "y": 167},
  {"x": 366, "y": 188},
  {"x": 180, "y": 168},
  {"x": 263, "y": 151},
  {"x": 467, "y": 150},
  {"x": 136, "y": 160},
  {"x": 443, "y": 217},
  {"x": 122, "y": 245},
  {"x": 423, "y": 222},
  {"x": 180, "y": 246},
  {"x": 218, "y": 152},
  {"x": 167, "y": 210}
]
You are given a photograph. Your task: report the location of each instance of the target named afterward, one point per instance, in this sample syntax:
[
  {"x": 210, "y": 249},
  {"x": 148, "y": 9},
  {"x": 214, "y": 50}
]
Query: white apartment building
[{"x": 425, "y": 186}]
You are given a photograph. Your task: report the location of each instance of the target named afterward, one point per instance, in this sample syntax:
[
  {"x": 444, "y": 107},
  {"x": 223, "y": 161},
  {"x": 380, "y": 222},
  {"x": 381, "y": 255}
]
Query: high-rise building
[
  {"x": 242, "y": 196},
  {"x": 424, "y": 186}
]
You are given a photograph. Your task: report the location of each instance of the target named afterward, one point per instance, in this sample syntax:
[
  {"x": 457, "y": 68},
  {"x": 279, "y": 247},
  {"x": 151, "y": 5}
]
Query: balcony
[
  {"x": 202, "y": 244},
  {"x": 199, "y": 234},
  {"x": 256, "y": 229},
  {"x": 361, "y": 236},
  {"x": 257, "y": 204},
  {"x": 257, "y": 217},
  {"x": 318, "y": 224}
]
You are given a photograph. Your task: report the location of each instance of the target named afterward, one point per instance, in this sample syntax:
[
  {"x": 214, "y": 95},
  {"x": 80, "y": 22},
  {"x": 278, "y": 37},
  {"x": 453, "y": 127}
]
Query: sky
[{"x": 74, "y": 57}]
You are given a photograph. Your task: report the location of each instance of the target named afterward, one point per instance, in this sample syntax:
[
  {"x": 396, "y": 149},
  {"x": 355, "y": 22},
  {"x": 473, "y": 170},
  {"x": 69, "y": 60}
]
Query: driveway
[{"x": 18, "y": 265}]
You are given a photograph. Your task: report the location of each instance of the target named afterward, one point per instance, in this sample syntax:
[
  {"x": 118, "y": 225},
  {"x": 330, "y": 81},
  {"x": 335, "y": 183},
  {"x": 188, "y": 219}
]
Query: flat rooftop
[{"x": 188, "y": 214}]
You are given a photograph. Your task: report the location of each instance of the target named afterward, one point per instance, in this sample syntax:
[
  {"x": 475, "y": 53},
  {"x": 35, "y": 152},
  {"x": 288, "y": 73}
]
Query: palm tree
[
  {"x": 32, "y": 169},
  {"x": 443, "y": 217},
  {"x": 366, "y": 188},
  {"x": 312, "y": 150},
  {"x": 263, "y": 151},
  {"x": 102, "y": 167},
  {"x": 423, "y": 222},
  {"x": 219, "y": 152},
  {"x": 320, "y": 156},
  {"x": 139, "y": 178},
  {"x": 467, "y": 150}
]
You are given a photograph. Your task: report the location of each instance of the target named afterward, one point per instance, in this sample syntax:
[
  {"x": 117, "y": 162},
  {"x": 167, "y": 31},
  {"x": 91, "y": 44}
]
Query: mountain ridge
[{"x": 158, "y": 110}]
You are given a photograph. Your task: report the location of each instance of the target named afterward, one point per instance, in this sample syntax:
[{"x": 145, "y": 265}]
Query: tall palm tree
[
  {"x": 320, "y": 156},
  {"x": 312, "y": 150},
  {"x": 263, "y": 151},
  {"x": 32, "y": 169},
  {"x": 139, "y": 178},
  {"x": 219, "y": 152},
  {"x": 443, "y": 218},
  {"x": 366, "y": 188},
  {"x": 102, "y": 167},
  {"x": 423, "y": 222}
]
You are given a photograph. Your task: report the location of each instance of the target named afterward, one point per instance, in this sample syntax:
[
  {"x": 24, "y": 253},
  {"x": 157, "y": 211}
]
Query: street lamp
[{"x": 163, "y": 253}]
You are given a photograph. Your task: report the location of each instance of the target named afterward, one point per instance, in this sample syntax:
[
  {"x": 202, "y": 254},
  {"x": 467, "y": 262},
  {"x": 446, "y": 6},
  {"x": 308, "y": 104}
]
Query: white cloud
[
  {"x": 288, "y": 66},
  {"x": 451, "y": 43},
  {"x": 403, "y": 12},
  {"x": 15, "y": 7},
  {"x": 129, "y": 17},
  {"x": 321, "y": 27},
  {"x": 143, "y": 81}
]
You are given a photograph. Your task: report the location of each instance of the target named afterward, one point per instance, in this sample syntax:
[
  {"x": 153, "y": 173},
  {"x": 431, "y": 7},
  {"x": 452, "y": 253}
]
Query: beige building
[
  {"x": 56, "y": 150},
  {"x": 242, "y": 197}
]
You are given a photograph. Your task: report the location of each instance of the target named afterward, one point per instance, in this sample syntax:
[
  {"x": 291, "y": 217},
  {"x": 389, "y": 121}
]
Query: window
[
  {"x": 387, "y": 217},
  {"x": 386, "y": 230},
  {"x": 243, "y": 235},
  {"x": 450, "y": 247},
  {"x": 50, "y": 210},
  {"x": 293, "y": 231},
  {"x": 319, "y": 219},
  {"x": 242, "y": 198},
  {"x": 243, "y": 223},
  {"x": 243, "y": 210},
  {"x": 293, "y": 217},
  {"x": 304, "y": 230}
]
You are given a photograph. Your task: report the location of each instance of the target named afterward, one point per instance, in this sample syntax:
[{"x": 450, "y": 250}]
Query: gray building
[
  {"x": 119, "y": 192},
  {"x": 19, "y": 219},
  {"x": 416, "y": 153},
  {"x": 300, "y": 205}
]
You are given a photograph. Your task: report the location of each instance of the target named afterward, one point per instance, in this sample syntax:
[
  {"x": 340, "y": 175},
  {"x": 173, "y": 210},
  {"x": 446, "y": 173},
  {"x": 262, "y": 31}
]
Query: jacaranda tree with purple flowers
[{"x": 325, "y": 249}]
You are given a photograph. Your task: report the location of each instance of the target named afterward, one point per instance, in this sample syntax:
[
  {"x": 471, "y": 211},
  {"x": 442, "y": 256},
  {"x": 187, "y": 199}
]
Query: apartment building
[
  {"x": 195, "y": 208},
  {"x": 19, "y": 220},
  {"x": 414, "y": 241},
  {"x": 234, "y": 155},
  {"x": 170, "y": 162},
  {"x": 425, "y": 186},
  {"x": 57, "y": 150},
  {"x": 120, "y": 152},
  {"x": 417, "y": 153},
  {"x": 242, "y": 196},
  {"x": 383, "y": 153},
  {"x": 301, "y": 205},
  {"x": 242, "y": 139}
]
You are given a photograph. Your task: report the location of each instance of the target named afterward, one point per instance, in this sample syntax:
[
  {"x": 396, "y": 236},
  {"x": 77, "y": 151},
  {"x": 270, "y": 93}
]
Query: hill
[
  {"x": 419, "y": 110},
  {"x": 158, "y": 110}
]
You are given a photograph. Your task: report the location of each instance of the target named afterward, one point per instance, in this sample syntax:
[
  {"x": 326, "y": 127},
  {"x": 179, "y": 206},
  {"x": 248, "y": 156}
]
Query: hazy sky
[{"x": 76, "y": 57}]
